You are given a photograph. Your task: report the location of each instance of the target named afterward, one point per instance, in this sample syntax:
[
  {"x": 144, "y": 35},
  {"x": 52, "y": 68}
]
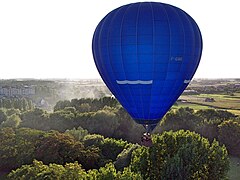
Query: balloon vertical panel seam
[
  {"x": 137, "y": 19},
  {"x": 153, "y": 61},
  {"x": 122, "y": 94}
]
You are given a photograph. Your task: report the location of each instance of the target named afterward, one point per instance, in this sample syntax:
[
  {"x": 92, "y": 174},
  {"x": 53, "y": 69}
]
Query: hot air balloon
[{"x": 147, "y": 53}]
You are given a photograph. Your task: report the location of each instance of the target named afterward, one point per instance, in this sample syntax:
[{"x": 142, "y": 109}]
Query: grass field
[
  {"x": 234, "y": 172},
  {"x": 225, "y": 102}
]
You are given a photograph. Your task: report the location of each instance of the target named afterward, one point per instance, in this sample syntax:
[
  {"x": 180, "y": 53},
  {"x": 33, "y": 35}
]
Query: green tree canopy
[
  {"x": 70, "y": 171},
  {"x": 12, "y": 121},
  {"x": 229, "y": 134},
  {"x": 3, "y": 116},
  {"x": 181, "y": 155}
]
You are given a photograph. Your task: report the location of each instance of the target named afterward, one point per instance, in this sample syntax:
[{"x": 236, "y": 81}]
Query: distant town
[
  {"x": 45, "y": 93},
  {"x": 17, "y": 91}
]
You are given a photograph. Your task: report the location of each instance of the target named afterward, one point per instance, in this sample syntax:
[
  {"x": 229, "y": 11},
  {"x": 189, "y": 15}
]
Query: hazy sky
[{"x": 52, "y": 38}]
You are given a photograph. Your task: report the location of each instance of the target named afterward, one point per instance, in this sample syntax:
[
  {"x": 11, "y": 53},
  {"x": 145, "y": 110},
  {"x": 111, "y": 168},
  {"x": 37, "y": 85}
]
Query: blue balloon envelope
[{"x": 147, "y": 53}]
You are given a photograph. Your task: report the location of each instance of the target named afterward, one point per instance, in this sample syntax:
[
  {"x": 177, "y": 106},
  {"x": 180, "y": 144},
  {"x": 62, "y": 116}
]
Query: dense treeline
[
  {"x": 22, "y": 104},
  {"x": 82, "y": 134},
  {"x": 105, "y": 116},
  {"x": 212, "y": 124},
  {"x": 217, "y": 89},
  {"x": 62, "y": 156},
  {"x": 102, "y": 116}
]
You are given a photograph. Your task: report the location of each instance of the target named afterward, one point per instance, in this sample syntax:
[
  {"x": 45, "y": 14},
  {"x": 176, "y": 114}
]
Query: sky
[{"x": 52, "y": 38}]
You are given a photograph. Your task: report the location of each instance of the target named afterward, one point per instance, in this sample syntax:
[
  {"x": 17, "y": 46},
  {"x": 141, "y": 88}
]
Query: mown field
[
  {"x": 234, "y": 172},
  {"x": 220, "y": 101}
]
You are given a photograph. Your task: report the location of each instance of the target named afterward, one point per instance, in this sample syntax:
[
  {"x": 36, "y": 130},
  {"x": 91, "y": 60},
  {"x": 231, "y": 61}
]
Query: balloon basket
[{"x": 146, "y": 139}]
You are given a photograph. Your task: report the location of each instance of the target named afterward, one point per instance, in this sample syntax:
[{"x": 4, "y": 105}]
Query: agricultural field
[
  {"x": 234, "y": 172},
  {"x": 230, "y": 103},
  {"x": 221, "y": 94}
]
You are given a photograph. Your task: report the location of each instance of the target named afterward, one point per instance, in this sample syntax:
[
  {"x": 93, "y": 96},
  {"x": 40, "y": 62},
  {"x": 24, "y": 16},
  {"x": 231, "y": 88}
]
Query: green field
[
  {"x": 234, "y": 172},
  {"x": 225, "y": 102}
]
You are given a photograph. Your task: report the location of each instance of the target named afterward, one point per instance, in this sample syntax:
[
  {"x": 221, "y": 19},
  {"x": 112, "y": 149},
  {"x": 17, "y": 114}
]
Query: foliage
[
  {"x": 22, "y": 104},
  {"x": 229, "y": 134},
  {"x": 3, "y": 116},
  {"x": 93, "y": 140},
  {"x": 102, "y": 122},
  {"x": 181, "y": 155},
  {"x": 183, "y": 118},
  {"x": 70, "y": 171},
  {"x": 12, "y": 121},
  {"x": 57, "y": 147},
  {"x": 204, "y": 122},
  {"x": 8, "y": 151},
  {"x": 21, "y": 146},
  {"x": 61, "y": 120},
  {"x": 211, "y": 114},
  {"x": 36, "y": 119},
  {"x": 124, "y": 158},
  {"x": 17, "y": 147},
  {"x": 111, "y": 148},
  {"x": 12, "y": 111},
  {"x": 86, "y": 104},
  {"x": 40, "y": 171},
  {"x": 78, "y": 133}
]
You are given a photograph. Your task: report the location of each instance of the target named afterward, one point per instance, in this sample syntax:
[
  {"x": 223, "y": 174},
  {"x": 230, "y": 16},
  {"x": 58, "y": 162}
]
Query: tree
[
  {"x": 40, "y": 171},
  {"x": 229, "y": 134},
  {"x": 211, "y": 114},
  {"x": 183, "y": 118},
  {"x": 111, "y": 148},
  {"x": 61, "y": 105},
  {"x": 25, "y": 143},
  {"x": 8, "y": 149},
  {"x": 61, "y": 120},
  {"x": 17, "y": 147},
  {"x": 3, "y": 116},
  {"x": 127, "y": 128},
  {"x": 55, "y": 147},
  {"x": 212, "y": 118},
  {"x": 85, "y": 107},
  {"x": 93, "y": 140},
  {"x": 13, "y": 121},
  {"x": 70, "y": 171},
  {"x": 102, "y": 122},
  {"x": 60, "y": 148},
  {"x": 12, "y": 111},
  {"x": 181, "y": 155},
  {"x": 35, "y": 119},
  {"x": 124, "y": 158},
  {"x": 78, "y": 133}
]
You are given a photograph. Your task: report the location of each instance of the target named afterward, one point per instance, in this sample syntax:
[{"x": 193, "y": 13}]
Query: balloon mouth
[{"x": 149, "y": 125}]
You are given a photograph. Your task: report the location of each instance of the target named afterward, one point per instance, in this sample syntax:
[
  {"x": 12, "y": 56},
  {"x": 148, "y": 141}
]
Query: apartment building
[{"x": 10, "y": 91}]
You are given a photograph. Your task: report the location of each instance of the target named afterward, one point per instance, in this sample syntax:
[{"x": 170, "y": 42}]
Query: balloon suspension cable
[{"x": 149, "y": 127}]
